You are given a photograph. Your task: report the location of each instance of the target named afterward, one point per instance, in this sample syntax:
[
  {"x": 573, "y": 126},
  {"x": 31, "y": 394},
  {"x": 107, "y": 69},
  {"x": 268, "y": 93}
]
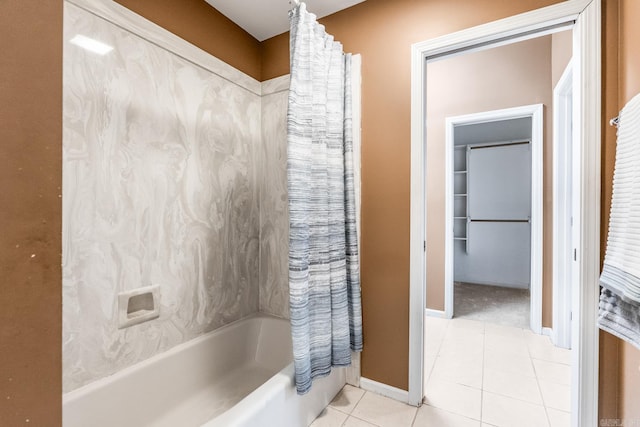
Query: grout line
[
  {"x": 439, "y": 347},
  {"x": 515, "y": 398},
  {"x": 544, "y": 405},
  {"x": 354, "y": 406},
  {"x": 357, "y": 418},
  {"x": 415, "y": 415},
  {"x": 358, "y": 402},
  {"x": 458, "y": 414},
  {"x": 336, "y": 409}
]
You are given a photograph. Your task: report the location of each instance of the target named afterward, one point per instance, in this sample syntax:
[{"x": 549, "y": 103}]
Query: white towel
[{"x": 620, "y": 279}]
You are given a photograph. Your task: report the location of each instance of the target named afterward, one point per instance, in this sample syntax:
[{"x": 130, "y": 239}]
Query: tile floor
[{"x": 477, "y": 374}]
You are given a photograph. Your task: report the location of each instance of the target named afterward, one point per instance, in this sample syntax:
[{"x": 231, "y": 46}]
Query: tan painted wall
[
  {"x": 30, "y": 212},
  {"x": 619, "y": 361},
  {"x": 608, "y": 360},
  {"x": 202, "y": 25},
  {"x": 629, "y": 71},
  {"x": 31, "y": 179},
  {"x": 561, "y": 52},
  {"x": 504, "y": 77},
  {"x": 383, "y": 31}
]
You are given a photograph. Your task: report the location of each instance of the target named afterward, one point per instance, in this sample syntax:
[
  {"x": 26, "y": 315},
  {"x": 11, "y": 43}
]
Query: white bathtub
[{"x": 239, "y": 375}]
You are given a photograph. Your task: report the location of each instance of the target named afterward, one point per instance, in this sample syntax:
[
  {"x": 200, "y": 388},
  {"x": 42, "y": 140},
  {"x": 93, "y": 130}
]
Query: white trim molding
[
  {"x": 563, "y": 282},
  {"x": 586, "y": 172},
  {"x": 534, "y": 111},
  {"x": 435, "y": 313},
  {"x": 586, "y": 14},
  {"x": 384, "y": 390}
]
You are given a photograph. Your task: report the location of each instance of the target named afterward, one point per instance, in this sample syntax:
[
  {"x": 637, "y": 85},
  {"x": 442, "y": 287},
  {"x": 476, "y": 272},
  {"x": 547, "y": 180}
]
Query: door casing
[
  {"x": 534, "y": 111},
  {"x": 585, "y": 15},
  {"x": 562, "y": 208}
]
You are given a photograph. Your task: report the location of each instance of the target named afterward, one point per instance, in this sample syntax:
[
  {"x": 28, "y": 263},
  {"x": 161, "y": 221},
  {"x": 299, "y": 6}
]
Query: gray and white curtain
[{"x": 324, "y": 282}]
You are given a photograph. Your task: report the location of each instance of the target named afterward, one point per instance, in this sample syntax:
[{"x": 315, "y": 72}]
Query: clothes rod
[
  {"x": 499, "y": 220},
  {"x": 498, "y": 144}
]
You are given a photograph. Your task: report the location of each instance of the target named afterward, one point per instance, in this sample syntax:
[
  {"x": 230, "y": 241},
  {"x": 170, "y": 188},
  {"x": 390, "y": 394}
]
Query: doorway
[
  {"x": 490, "y": 353},
  {"x": 585, "y": 15},
  {"x": 493, "y": 217}
]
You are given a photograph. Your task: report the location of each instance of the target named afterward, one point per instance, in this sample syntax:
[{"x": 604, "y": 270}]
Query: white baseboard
[
  {"x": 548, "y": 332},
  {"x": 384, "y": 390},
  {"x": 435, "y": 313}
]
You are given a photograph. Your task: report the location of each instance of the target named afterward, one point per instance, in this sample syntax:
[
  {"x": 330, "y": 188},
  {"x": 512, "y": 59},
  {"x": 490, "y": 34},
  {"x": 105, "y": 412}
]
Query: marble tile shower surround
[
  {"x": 274, "y": 209},
  {"x": 168, "y": 163},
  {"x": 160, "y": 180}
]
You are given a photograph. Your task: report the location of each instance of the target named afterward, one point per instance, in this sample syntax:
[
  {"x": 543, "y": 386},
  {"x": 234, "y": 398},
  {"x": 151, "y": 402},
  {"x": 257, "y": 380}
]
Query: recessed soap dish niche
[{"x": 138, "y": 305}]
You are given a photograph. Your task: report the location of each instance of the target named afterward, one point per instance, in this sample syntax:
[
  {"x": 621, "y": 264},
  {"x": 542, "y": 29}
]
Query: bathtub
[{"x": 239, "y": 375}]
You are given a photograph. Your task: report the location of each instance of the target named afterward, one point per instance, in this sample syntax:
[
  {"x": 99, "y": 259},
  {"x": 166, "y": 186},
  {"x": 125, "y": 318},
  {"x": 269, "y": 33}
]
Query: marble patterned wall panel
[
  {"x": 274, "y": 213},
  {"x": 159, "y": 187}
]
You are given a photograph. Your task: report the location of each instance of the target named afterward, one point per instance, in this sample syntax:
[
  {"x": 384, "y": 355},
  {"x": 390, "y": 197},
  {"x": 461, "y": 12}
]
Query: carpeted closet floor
[{"x": 494, "y": 304}]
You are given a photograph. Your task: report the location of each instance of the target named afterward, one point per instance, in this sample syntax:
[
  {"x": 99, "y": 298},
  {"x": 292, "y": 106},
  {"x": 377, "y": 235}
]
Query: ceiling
[{"x": 264, "y": 19}]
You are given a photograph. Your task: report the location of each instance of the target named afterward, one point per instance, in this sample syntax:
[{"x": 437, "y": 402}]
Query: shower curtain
[{"x": 324, "y": 283}]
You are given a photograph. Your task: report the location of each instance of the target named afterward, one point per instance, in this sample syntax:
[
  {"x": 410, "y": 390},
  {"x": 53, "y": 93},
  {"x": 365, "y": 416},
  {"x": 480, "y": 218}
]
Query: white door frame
[
  {"x": 562, "y": 208},
  {"x": 534, "y": 111},
  {"x": 587, "y": 107}
]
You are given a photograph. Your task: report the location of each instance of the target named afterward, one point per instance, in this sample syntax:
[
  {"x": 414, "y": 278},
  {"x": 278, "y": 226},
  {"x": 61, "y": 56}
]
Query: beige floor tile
[
  {"x": 468, "y": 324},
  {"x": 550, "y": 354},
  {"x": 383, "y": 411},
  {"x": 559, "y": 418},
  {"x": 435, "y": 325},
  {"x": 462, "y": 342},
  {"x": 541, "y": 347},
  {"x": 428, "y": 416},
  {"x": 556, "y": 396},
  {"x": 462, "y": 368},
  {"x": 552, "y": 372},
  {"x": 536, "y": 340},
  {"x": 432, "y": 345},
  {"x": 357, "y": 422},
  {"x": 429, "y": 362},
  {"x": 456, "y": 398},
  {"x": 347, "y": 399},
  {"x": 508, "y": 363},
  {"x": 464, "y": 327},
  {"x": 504, "y": 411},
  {"x": 476, "y": 374},
  {"x": 512, "y": 385},
  {"x": 505, "y": 331},
  {"x": 506, "y": 345},
  {"x": 330, "y": 417}
]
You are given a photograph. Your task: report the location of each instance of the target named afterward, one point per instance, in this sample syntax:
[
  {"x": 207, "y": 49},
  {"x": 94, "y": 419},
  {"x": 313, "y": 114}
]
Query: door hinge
[
  {"x": 424, "y": 245},
  {"x": 575, "y": 254}
]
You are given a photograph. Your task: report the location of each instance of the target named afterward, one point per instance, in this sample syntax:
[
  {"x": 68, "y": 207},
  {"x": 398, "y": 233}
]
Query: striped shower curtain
[{"x": 324, "y": 283}]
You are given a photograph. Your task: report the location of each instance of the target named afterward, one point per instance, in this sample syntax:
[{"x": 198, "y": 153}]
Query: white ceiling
[{"x": 264, "y": 19}]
